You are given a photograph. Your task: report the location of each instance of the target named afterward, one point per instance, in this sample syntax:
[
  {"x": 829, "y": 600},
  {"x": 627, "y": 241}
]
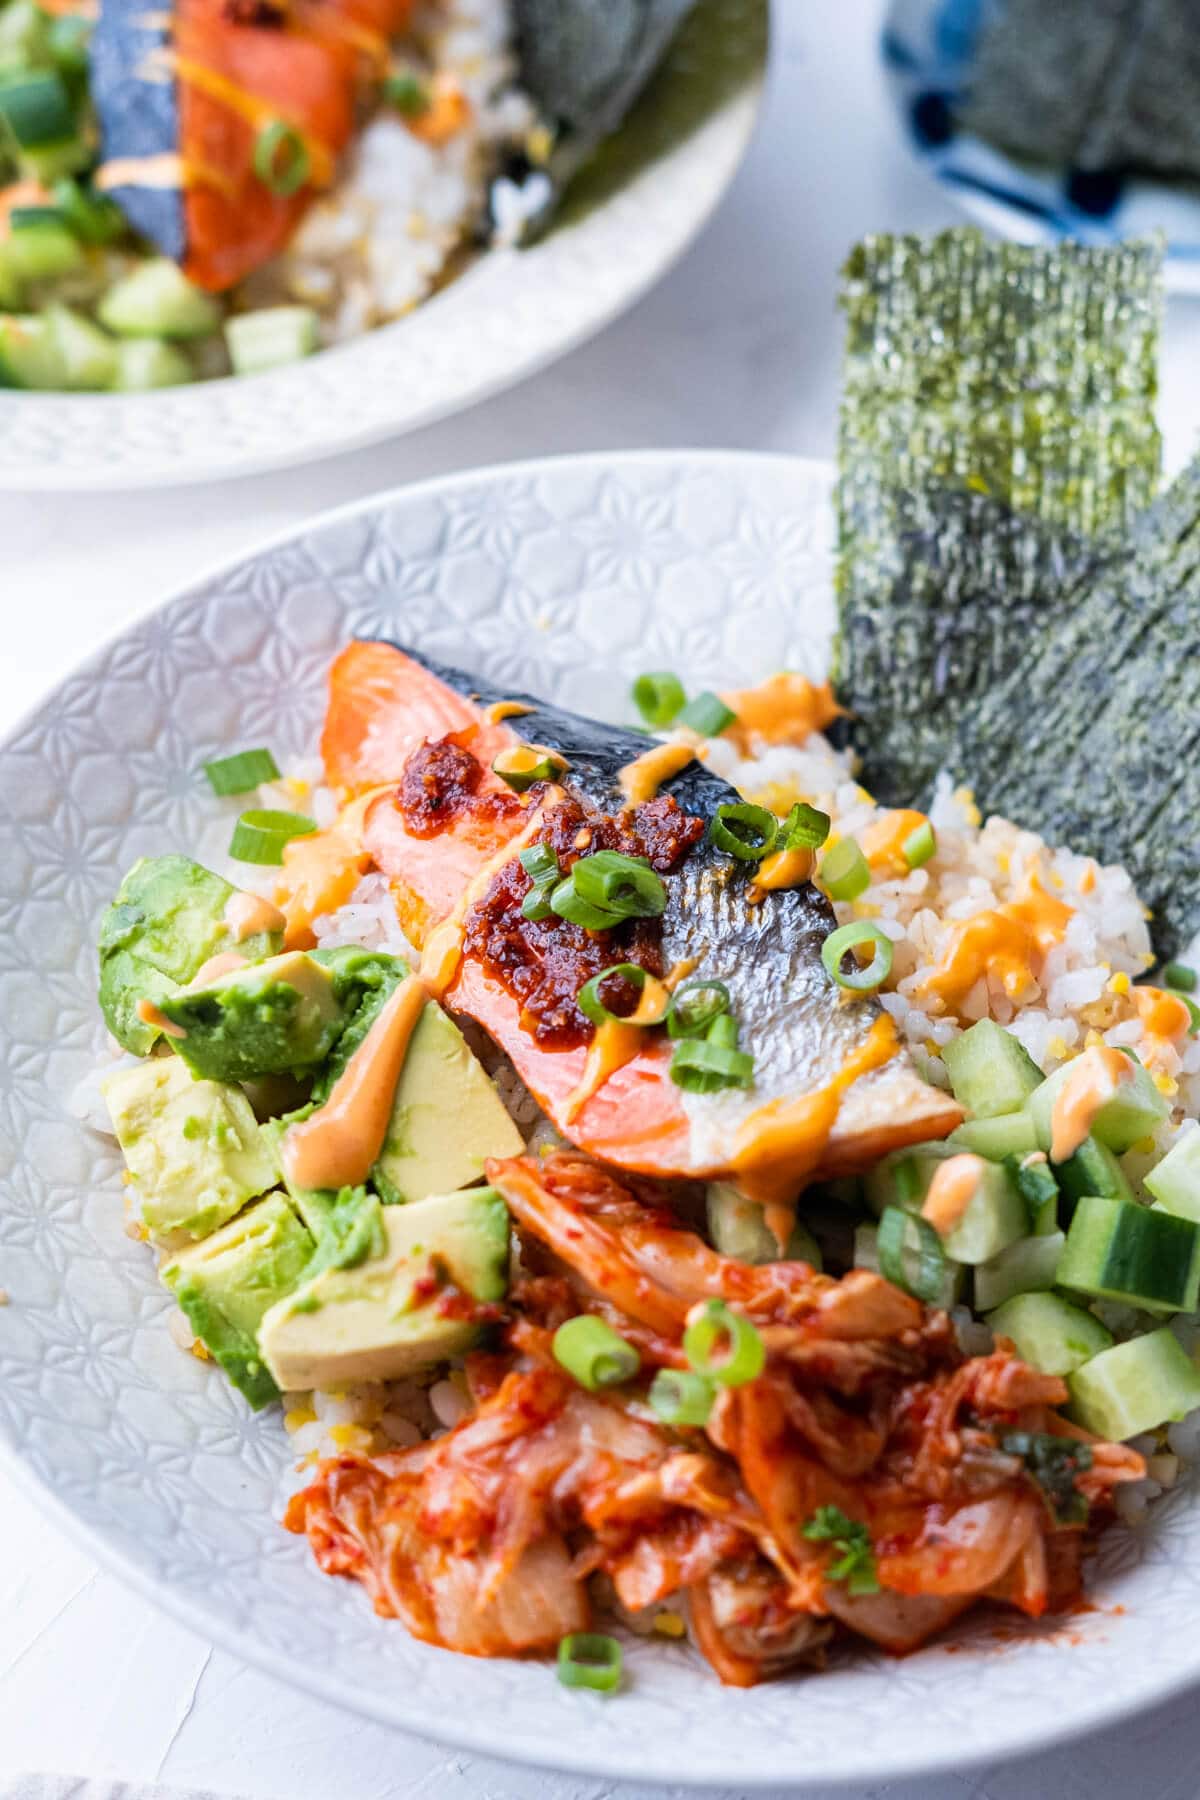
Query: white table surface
[{"x": 738, "y": 347}]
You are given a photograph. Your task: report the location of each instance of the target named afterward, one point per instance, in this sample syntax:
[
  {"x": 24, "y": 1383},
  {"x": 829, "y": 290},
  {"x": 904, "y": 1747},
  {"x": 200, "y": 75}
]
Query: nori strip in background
[
  {"x": 1039, "y": 71},
  {"x": 997, "y": 424},
  {"x": 1148, "y": 115}
]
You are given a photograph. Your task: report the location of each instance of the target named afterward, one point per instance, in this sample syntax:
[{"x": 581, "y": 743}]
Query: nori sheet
[
  {"x": 1147, "y": 116},
  {"x": 1039, "y": 72},
  {"x": 996, "y": 430}
]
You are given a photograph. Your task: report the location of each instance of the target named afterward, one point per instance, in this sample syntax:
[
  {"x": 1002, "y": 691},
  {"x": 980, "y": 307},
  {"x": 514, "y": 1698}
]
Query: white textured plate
[
  {"x": 566, "y": 577},
  {"x": 509, "y": 314}
]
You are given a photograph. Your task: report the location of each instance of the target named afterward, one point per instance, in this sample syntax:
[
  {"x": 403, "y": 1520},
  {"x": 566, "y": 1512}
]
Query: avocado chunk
[
  {"x": 193, "y": 1147},
  {"x": 344, "y": 1222},
  {"x": 447, "y": 1117},
  {"x": 167, "y": 920},
  {"x": 392, "y": 1314},
  {"x": 226, "y": 1284}
]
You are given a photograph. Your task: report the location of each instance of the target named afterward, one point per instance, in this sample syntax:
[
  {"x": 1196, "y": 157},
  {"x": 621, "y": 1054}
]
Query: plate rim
[{"x": 865, "y": 1766}]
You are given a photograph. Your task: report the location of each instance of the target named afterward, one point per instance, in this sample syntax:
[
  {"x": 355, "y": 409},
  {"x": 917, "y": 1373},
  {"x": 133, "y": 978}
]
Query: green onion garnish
[
  {"x": 919, "y": 845},
  {"x": 681, "y": 1397},
  {"x": 37, "y": 110},
  {"x": 1180, "y": 977},
  {"x": 32, "y": 218},
  {"x": 593, "y": 1007},
  {"x": 1034, "y": 1181},
  {"x": 587, "y": 1659},
  {"x": 570, "y": 905},
  {"x": 805, "y": 828},
  {"x": 407, "y": 93},
  {"x": 94, "y": 218},
  {"x": 595, "y": 1354},
  {"x": 844, "y": 872},
  {"x": 925, "y": 1281},
  {"x": 705, "y": 1065},
  {"x": 840, "y": 943},
  {"x": 522, "y": 766},
  {"x": 1194, "y": 1010},
  {"x": 281, "y": 158},
  {"x": 658, "y": 697},
  {"x": 707, "y": 714},
  {"x": 856, "y": 1562},
  {"x": 238, "y": 774},
  {"x": 722, "y": 1345},
  {"x": 259, "y": 837},
  {"x": 541, "y": 865},
  {"x": 625, "y": 885},
  {"x": 694, "y": 1007},
  {"x": 742, "y": 830}
]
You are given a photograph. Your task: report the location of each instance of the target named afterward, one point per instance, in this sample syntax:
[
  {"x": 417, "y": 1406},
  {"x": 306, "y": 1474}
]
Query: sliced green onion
[
  {"x": 238, "y": 774},
  {"x": 523, "y": 766},
  {"x": 540, "y": 863},
  {"x": 1194, "y": 1010},
  {"x": 94, "y": 218},
  {"x": 906, "y": 1179},
  {"x": 844, "y": 872},
  {"x": 587, "y": 1659},
  {"x": 919, "y": 845},
  {"x": 536, "y": 904},
  {"x": 659, "y": 697},
  {"x": 281, "y": 158},
  {"x": 707, "y": 714},
  {"x": 32, "y": 218},
  {"x": 925, "y": 1282},
  {"x": 595, "y": 1354},
  {"x": 37, "y": 110},
  {"x": 723, "y": 1345},
  {"x": 681, "y": 1397},
  {"x": 694, "y": 1006},
  {"x": 407, "y": 93},
  {"x": 839, "y": 944},
  {"x": 805, "y": 828},
  {"x": 1180, "y": 977},
  {"x": 724, "y": 1031},
  {"x": 702, "y": 1067},
  {"x": 625, "y": 885},
  {"x": 259, "y": 836},
  {"x": 593, "y": 1007},
  {"x": 742, "y": 830},
  {"x": 570, "y": 905}
]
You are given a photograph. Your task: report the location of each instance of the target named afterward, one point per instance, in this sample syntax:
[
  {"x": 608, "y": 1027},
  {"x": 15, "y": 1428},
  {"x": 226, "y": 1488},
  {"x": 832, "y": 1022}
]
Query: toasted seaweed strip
[
  {"x": 1146, "y": 115},
  {"x": 978, "y": 373},
  {"x": 1093, "y": 737}
]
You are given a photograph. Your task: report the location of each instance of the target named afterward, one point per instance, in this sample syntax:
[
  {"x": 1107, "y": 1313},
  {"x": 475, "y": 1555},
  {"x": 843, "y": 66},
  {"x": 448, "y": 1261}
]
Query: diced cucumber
[
  {"x": 996, "y": 1216},
  {"x": 1175, "y": 1181},
  {"x": 1135, "y": 1386},
  {"x": 89, "y": 358},
  {"x": 29, "y": 357},
  {"x": 271, "y": 337},
  {"x": 1035, "y": 1182},
  {"x": 1025, "y": 1267},
  {"x": 903, "y": 1178},
  {"x": 24, "y": 37},
  {"x": 12, "y": 290},
  {"x": 144, "y": 363},
  {"x": 37, "y": 109},
  {"x": 1049, "y": 1332},
  {"x": 1119, "y": 1251},
  {"x": 991, "y": 1072},
  {"x": 1092, "y": 1170},
  {"x": 1134, "y": 1111},
  {"x": 157, "y": 300},
  {"x": 1010, "y": 1134},
  {"x": 48, "y": 163},
  {"x": 866, "y": 1256},
  {"x": 94, "y": 218},
  {"x": 43, "y": 249},
  {"x": 738, "y": 1229}
]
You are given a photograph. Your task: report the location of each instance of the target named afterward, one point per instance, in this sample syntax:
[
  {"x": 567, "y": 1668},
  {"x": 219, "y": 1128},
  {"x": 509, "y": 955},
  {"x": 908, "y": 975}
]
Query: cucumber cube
[
  {"x": 903, "y": 1178},
  {"x": 24, "y": 37},
  {"x": 1092, "y": 1170},
  {"x": 1135, "y": 1386},
  {"x": 738, "y": 1229},
  {"x": 89, "y": 358},
  {"x": 1133, "y": 1112},
  {"x": 157, "y": 300},
  {"x": 991, "y": 1072},
  {"x": 1025, "y": 1267},
  {"x": 996, "y": 1216},
  {"x": 1119, "y": 1251},
  {"x": 1011, "y": 1134},
  {"x": 866, "y": 1256},
  {"x": 1175, "y": 1181},
  {"x": 271, "y": 337},
  {"x": 1035, "y": 1181},
  {"x": 29, "y": 357},
  {"x": 1050, "y": 1333},
  {"x": 43, "y": 251},
  {"x": 144, "y": 363}
]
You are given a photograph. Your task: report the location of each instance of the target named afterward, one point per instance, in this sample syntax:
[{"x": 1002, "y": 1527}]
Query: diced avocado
[
  {"x": 274, "y": 1017},
  {"x": 166, "y": 921},
  {"x": 1142, "y": 1255},
  {"x": 378, "y": 1322},
  {"x": 147, "y": 363},
  {"x": 344, "y": 1222},
  {"x": 89, "y": 357},
  {"x": 363, "y": 982},
  {"x": 990, "y": 1070},
  {"x": 866, "y": 1256},
  {"x": 1092, "y": 1170},
  {"x": 447, "y": 1117},
  {"x": 1029, "y": 1264},
  {"x": 1134, "y": 1111},
  {"x": 157, "y": 300},
  {"x": 1050, "y": 1333},
  {"x": 738, "y": 1228},
  {"x": 996, "y": 1216},
  {"x": 1010, "y": 1134},
  {"x": 193, "y": 1147},
  {"x": 1135, "y": 1386},
  {"x": 1175, "y": 1181},
  {"x": 229, "y": 1282}
]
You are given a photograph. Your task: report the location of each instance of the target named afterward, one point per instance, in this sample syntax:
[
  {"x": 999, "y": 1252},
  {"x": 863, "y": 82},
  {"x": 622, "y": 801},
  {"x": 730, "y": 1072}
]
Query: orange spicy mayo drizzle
[
  {"x": 784, "y": 709},
  {"x": 339, "y": 1144},
  {"x": 223, "y": 963},
  {"x": 1161, "y": 1012},
  {"x": 1094, "y": 1079},
  {"x": 782, "y": 869},
  {"x": 499, "y": 710},
  {"x": 617, "y": 1041},
  {"x": 641, "y": 779},
  {"x": 955, "y": 1184},
  {"x": 247, "y": 914},
  {"x": 150, "y": 1014},
  {"x": 166, "y": 170},
  {"x": 443, "y": 947},
  {"x": 1005, "y": 941},
  {"x": 781, "y": 1144},
  {"x": 882, "y": 843}
]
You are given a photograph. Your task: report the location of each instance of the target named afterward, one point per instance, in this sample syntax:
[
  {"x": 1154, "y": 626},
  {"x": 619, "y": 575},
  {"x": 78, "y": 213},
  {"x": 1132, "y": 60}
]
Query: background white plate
[
  {"x": 567, "y": 577},
  {"x": 509, "y": 314}
]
